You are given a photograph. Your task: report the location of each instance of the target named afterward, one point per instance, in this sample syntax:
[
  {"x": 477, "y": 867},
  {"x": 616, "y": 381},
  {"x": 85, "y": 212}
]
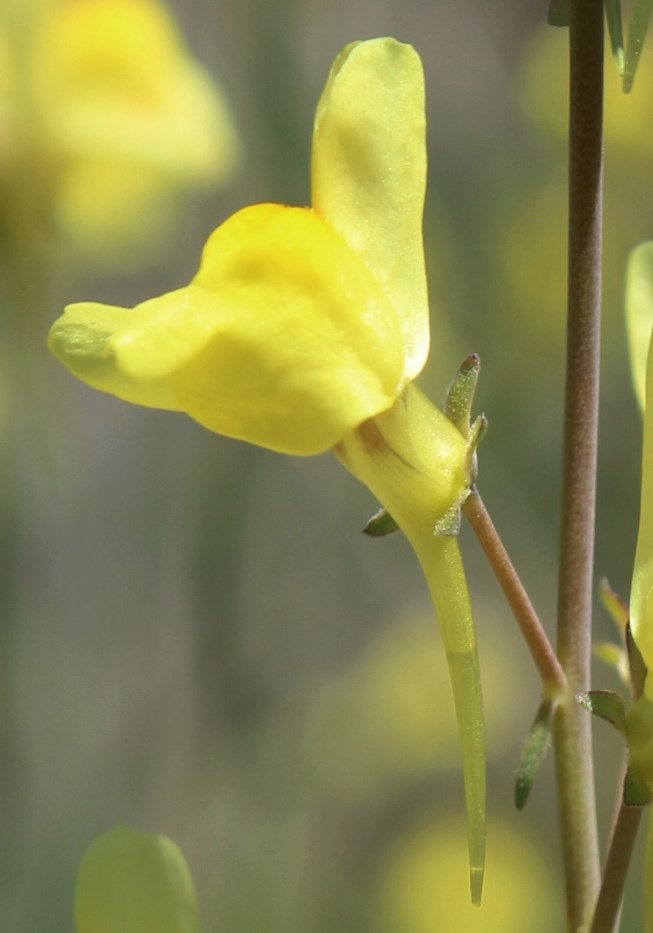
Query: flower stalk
[{"x": 553, "y": 678}]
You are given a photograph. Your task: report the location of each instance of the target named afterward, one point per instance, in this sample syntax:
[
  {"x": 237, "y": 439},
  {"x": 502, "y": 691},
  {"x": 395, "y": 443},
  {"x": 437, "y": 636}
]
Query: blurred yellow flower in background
[
  {"x": 104, "y": 118},
  {"x": 386, "y": 723},
  {"x": 421, "y": 888}
]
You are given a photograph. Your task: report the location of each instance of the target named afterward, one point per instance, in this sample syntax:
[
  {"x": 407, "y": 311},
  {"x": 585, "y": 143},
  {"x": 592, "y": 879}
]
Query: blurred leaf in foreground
[{"x": 131, "y": 882}]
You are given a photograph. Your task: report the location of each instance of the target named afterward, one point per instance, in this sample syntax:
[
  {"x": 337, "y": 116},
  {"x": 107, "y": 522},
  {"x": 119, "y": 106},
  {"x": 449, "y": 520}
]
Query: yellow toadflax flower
[
  {"x": 302, "y": 332},
  {"x": 105, "y": 116}
]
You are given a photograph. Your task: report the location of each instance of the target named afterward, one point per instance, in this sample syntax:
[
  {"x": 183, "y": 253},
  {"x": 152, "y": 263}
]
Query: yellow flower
[
  {"x": 102, "y": 103},
  {"x": 303, "y": 330}
]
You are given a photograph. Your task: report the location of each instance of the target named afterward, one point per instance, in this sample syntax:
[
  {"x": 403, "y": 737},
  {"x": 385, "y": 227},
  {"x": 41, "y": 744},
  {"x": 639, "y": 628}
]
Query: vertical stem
[{"x": 572, "y": 732}]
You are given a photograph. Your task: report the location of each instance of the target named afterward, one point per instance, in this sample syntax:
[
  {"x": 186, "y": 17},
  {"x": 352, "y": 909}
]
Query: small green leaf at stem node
[
  {"x": 607, "y": 705},
  {"x": 380, "y": 525},
  {"x": 460, "y": 394},
  {"x": 533, "y": 752}
]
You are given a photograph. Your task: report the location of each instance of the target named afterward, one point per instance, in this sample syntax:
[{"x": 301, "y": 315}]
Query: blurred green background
[{"x": 195, "y": 637}]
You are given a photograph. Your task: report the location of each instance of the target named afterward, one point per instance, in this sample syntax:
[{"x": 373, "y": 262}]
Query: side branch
[{"x": 550, "y": 670}]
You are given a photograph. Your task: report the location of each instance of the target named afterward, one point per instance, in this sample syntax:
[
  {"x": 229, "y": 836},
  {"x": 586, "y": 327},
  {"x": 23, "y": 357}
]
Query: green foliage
[
  {"x": 533, "y": 753},
  {"x": 606, "y": 705},
  {"x": 380, "y": 524},
  {"x": 637, "y": 28}
]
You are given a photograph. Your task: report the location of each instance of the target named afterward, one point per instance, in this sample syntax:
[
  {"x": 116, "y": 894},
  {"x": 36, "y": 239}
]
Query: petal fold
[{"x": 369, "y": 173}]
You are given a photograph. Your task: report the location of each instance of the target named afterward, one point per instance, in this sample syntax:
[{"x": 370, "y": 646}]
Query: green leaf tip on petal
[
  {"x": 637, "y": 28},
  {"x": 606, "y": 705},
  {"x": 380, "y": 525},
  {"x": 130, "y": 882},
  {"x": 460, "y": 394},
  {"x": 533, "y": 753}
]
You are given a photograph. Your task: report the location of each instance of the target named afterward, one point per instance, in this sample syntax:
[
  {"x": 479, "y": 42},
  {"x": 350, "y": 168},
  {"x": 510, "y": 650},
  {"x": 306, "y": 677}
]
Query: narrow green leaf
[
  {"x": 636, "y": 664},
  {"x": 615, "y": 30},
  {"x": 130, "y": 882},
  {"x": 607, "y": 705},
  {"x": 558, "y": 13},
  {"x": 380, "y": 525},
  {"x": 615, "y": 606},
  {"x": 636, "y": 791},
  {"x": 460, "y": 394},
  {"x": 637, "y": 27},
  {"x": 615, "y": 657},
  {"x": 533, "y": 753}
]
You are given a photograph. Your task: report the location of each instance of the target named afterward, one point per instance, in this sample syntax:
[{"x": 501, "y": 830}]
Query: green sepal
[
  {"x": 607, "y": 705},
  {"x": 460, "y": 394},
  {"x": 558, "y": 14},
  {"x": 449, "y": 524},
  {"x": 533, "y": 753},
  {"x": 636, "y": 664},
  {"x": 380, "y": 525},
  {"x": 615, "y": 31},
  {"x": 637, "y": 26},
  {"x": 637, "y": 793}
]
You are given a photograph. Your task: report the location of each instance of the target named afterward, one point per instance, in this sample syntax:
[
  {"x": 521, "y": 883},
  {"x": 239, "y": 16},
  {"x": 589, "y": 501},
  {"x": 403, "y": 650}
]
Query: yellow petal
[
  {"x": 641, "y": 595},
  {"x": 639, "y": 313},
  {"x": 369, "y": 173},
  {"x": 283, "y": 338}
]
